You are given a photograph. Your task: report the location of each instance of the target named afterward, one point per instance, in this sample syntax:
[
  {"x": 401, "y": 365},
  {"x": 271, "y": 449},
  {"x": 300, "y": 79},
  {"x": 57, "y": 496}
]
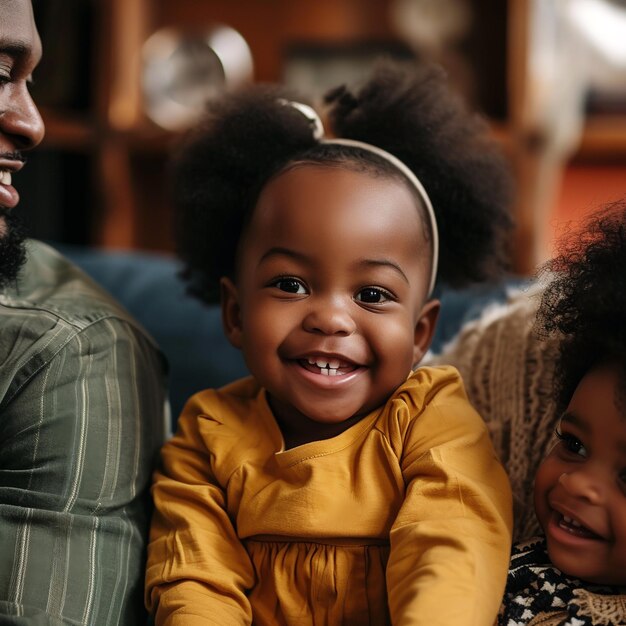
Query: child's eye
[
  {"x": 372, "y": 295},
  {"x": 622, "y": 480},
  {"x": 290, "y": 285},
  {"x": 571, "y": 444}
]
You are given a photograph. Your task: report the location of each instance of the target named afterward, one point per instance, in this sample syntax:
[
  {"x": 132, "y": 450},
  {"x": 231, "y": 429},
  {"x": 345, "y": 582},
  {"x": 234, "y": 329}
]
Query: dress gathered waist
[{"x": 325, "y": 541}]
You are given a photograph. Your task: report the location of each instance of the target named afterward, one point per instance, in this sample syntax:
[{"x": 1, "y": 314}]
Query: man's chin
[{"x": 12, "y": 248}]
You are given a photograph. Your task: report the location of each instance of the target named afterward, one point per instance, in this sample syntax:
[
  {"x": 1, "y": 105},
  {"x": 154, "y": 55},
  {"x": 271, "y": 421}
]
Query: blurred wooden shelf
[
  {"x": 68, "y": 130},
  {"x": 604, "y": 138},
  {"x": 128, "y": 200}
]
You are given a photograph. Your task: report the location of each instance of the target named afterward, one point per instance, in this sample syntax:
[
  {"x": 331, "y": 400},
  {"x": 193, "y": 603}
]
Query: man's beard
[{"x": 12, "y": 248}]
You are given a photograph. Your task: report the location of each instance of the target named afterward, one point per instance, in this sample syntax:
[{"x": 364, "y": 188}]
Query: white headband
[{"x": 318, "y": 133}]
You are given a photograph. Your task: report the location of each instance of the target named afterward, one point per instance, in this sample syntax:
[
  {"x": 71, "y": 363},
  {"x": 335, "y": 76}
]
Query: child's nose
[
  {"x": 329, "y": 316},
  {"x": 583, "y": 483}
]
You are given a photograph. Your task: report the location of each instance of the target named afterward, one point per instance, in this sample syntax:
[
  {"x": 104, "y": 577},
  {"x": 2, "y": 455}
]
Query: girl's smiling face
[
  {"x": 580, "y": 488},
  {"x": 329, "y": 303}
]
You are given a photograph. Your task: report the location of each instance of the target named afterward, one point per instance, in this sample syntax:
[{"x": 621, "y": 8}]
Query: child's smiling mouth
[
  {"x": 574, "y": 527},
  {"x": 564, "y": 525},
  {"x": 327, "y": 366}
]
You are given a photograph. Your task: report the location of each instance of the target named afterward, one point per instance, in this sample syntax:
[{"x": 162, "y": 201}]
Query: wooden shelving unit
[
  {"x": 129, "y": 154},
  {"x": 604, "y": 138}
]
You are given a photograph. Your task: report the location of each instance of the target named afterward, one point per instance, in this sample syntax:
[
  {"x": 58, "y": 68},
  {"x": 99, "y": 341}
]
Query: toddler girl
[
  {"x": 336, "y": 485},
  {"x": 575, "y": 575}
]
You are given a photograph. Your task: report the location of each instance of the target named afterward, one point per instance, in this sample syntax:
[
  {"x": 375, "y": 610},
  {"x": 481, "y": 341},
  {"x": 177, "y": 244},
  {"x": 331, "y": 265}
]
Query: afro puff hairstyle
[
  {"x": 584, "y": 305},
  {"x": 248, "y": 136}
]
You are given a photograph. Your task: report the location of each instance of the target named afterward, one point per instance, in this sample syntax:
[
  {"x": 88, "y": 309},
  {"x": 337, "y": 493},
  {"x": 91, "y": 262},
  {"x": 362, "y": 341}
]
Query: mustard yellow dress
[{"x": 404, "y": 518}]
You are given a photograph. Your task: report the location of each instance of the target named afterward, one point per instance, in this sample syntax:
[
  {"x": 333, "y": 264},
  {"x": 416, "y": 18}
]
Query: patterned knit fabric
[
  {"x": 507, "y": 370},
  {"x": 537, "y": 593}
]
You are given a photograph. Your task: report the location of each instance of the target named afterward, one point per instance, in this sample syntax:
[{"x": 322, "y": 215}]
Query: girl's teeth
[
  {"x": 5, "y": 177},
  {"x": 569, "y": 520},
  {"x": 327, "y": 368},
  {"x": 332, "y": 364}
]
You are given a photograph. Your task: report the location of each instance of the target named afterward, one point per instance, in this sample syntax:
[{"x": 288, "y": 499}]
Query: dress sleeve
[
  {"x": 80, "y": 427},
  {"x": 450, "y": 542},
  {"x": 507, "y": 369},
  {"x": 198, "y": 570}
]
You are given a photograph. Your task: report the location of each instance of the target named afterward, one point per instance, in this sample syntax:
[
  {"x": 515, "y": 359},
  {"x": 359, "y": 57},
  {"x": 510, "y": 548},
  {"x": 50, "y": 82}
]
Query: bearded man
[{"x": 82, "y": 399}]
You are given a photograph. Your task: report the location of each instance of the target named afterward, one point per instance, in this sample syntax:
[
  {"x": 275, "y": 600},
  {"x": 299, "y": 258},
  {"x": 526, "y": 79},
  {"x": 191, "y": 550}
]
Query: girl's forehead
[
  {"x": 329, "y": 207},
  {"x": 344, "y": 184},
  {"x": 311, "y": 193}
]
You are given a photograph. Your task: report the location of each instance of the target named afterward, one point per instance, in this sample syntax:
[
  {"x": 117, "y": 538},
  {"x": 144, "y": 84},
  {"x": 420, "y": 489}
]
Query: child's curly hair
[
  {"x": 249, "y": 136},
  {"x": 585, "y": 302}
]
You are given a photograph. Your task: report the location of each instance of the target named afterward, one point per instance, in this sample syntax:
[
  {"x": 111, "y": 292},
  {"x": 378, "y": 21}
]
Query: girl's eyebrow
[
  {"x": 384, "y": 263},
  {"x": 571, "y": 418},
  {"x": 281, "y": 251}
]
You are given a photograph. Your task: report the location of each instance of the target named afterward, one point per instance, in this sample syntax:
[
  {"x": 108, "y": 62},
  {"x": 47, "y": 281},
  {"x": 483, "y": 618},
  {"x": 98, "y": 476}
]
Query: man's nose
[{"x": 20, "y": 119}]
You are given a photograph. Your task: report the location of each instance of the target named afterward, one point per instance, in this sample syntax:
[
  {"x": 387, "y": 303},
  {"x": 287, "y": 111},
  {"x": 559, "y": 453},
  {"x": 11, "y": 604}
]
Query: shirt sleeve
[
  {"x": 79, "y": 434},
  {"x": 450, "y": 542},
  {"x": 198, "y": 570}
]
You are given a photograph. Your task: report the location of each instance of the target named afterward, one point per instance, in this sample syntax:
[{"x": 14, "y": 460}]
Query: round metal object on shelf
[{"x": 182, "y": 70}]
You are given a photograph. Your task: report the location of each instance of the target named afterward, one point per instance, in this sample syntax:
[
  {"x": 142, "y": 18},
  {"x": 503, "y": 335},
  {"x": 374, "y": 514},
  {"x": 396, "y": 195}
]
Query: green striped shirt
[{"x": 82, "y": 396}]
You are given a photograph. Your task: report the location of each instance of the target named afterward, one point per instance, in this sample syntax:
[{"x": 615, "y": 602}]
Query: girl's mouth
[
  {"x": 573, "y": 527},
  {"x": 327, "y": 366}
]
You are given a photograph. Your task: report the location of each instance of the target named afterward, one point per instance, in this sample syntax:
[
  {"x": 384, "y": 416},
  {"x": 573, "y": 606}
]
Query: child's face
[
  {"x": 580, "y": 488},
  {"x": 329, "y": 303}
]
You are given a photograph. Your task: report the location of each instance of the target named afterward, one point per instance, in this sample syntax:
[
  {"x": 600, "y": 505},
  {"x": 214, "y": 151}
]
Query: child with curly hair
[
  {"x": 575, "y": 575},
  {"x": 339, "y": 484}
]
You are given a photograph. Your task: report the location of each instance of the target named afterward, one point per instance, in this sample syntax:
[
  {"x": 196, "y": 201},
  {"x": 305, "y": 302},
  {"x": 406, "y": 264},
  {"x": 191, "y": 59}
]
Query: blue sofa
[{"x": 190, "y": 333}]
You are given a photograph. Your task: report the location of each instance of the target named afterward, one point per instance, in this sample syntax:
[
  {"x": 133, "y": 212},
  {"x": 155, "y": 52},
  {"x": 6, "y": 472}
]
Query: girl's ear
[
  {"x": 231, "y": 311},
  {"x": 425, "y": 329}
]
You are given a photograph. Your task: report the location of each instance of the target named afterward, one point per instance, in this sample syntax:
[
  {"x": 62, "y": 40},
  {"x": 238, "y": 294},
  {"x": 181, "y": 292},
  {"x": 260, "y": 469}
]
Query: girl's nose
[
  {"x": 329, "y": 316},
  {"x": 20, "y": 120},
  {"x": 583, "y": 483}
]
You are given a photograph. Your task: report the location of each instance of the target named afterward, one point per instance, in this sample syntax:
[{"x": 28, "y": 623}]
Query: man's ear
[
  {"x": 425, "y": 329},
  {"x": 231, "y": 311}
]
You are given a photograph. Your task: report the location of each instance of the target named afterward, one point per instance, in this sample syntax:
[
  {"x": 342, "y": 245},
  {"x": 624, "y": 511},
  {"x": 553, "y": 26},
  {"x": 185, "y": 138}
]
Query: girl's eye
[
  {"x": 571, "y": 444},
  {"x": 290, "y": 285},
  {"x": 372, "y": 295}
]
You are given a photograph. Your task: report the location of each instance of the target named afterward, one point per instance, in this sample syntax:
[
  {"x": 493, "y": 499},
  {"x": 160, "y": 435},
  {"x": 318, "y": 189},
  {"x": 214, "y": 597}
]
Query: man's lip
[
  {"x": 11, "y": 165},
  {"x": 8, "y": 196}
]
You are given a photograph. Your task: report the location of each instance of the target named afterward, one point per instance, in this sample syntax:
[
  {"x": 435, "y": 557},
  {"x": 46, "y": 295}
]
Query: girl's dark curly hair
[
  {"x": 585, "y": 302},
  {"x": 249, "y": 136}
]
